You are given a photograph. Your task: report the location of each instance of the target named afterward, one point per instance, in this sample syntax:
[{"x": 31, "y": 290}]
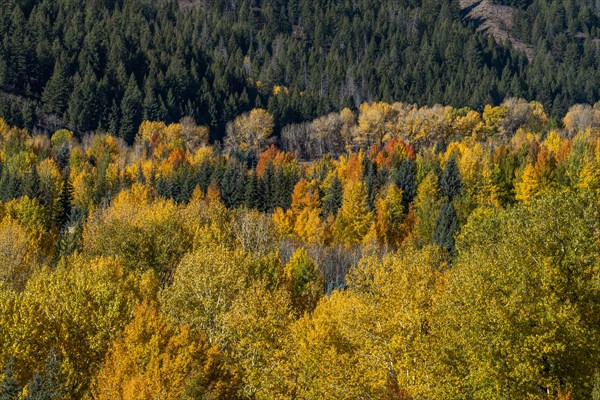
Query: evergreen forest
[{"x": 106, "y": 65}]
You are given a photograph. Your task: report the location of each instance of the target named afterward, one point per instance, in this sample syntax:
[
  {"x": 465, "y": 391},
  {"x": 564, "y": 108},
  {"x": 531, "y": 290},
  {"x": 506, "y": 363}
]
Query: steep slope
[{"x": 496, "y": 20}]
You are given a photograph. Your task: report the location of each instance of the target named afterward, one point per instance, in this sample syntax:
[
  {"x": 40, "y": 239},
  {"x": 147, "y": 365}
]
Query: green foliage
[
  {"x": 306, "y": 282},
  {"x": 520, "y": 312},
  {"x": 451, "y": 184},
  {"x": 131, "y": 110},
  {"x": 406, "y": 180},
  {"x": 65, "y": 203},
  {"x": 9, "y": 387},
  {"x": 332, "y": 201},
  {"x": 77, "y": 62},
  {"x": 446, "y": 227},
  {"x": 46, "y": 385}
]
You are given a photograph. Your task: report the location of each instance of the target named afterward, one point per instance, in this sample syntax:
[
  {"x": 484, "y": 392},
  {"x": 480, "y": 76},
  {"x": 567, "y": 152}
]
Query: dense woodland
[
  {"x": 109, "y": 64},
  {"x": 397, "y": 253}
]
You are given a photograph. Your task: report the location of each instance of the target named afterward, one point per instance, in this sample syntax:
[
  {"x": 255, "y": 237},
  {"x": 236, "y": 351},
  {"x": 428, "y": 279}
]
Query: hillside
[
  {"x": 105, "y": 65},
  {"x": 496, "y": 20}
]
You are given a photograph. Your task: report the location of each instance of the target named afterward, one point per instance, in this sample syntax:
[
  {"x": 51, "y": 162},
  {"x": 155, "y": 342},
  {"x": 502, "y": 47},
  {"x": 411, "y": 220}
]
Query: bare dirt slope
[{"x": 493, "y": 19}]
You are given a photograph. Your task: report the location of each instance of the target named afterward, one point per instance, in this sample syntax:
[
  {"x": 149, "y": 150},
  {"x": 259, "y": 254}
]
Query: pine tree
[
  {"x": 204, "y": 175},
  {"x": 305, "y": 281},
  {"x": 446, "y": 227},
  {"x": 70, "y": 240},
  {"x": 406, "y": 180},
  {"x": 114, "y": 117},
  {"x": 65, "y": 202},
  {"x": 56, "y": 92},
  {"x": 28, "y": 115},
  {"x": 233, "y": 186},
  {"x": 451, "y": 182},
  {"x": 370, "y": 181},
  {"x": 46, "y": 385},
  {"x": 62, "y": 157},
  {"x": 9, "y": 387},
  {"x": 254, "y": 193},
  {"x": 332, "y": 201},
  {"x": 83, "y": 105},
  {"x": 268, "y": 180},
  {"x": 31, "y": 184},
  {"x": 283, "y": 189},
  {"x": 131, "y": 111}
]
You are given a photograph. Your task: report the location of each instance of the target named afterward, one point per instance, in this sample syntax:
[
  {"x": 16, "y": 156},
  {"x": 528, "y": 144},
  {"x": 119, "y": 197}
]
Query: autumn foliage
[{"x": 421, "y": 253}]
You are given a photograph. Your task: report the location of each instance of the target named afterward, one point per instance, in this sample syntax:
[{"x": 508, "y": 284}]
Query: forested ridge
[
  {"x": 107, "y": 65},
  {"x": 396, "y": 252}
]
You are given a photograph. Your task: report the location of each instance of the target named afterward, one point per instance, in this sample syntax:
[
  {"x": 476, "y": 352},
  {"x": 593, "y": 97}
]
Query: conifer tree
[
  {"x": 268, "y": 180},
  {"x": 83, "y": 105},
  {"x": 254, "y": 192},
  {"x": 65, "y": 202},
  {"x": 9, "y": 387},
  {"x": 446, "y": 227},
  {"x": 56, "y": 92},
  {"x": 62, "y": 157},
  {"x": 406, "y": 180},
  {"x": 47, "y": 385},
  {"x": 370, "y": 181},
  {"x": 131, "y": 110},
  {"x": 305, "y": 281},
  {"x": 332, "y": 201},
  {"x": 32, "y": 183},
  {"x": 451, "y": 184}
]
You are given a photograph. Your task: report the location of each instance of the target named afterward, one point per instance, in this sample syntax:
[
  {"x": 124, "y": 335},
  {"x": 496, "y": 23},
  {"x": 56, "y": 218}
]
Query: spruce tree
[
  {"x": 83, "y": 105},
  {"x": 332, "y": 201},
  {"x": 406, "y": 180},
  {"x": 370, "y": 181},
  {"x": 446, "y": 227},
  {"x": 31, "y": 185},
  {"x": 232, "y": 186},
  {"x": 131, "y": 111},
  {"x": 65, "y": 202},
  {"x": 254, "y": 193},
  {"x": 9, "y": 387},
  {"x": 451, "y": 183},
  {"x": 63, "y": 156},
  {"x": 56, "y": 92},
  {"x": 204, "y": 175},
  {"x": 268, "y": 180},
  {"x": 47, "y": 385}
]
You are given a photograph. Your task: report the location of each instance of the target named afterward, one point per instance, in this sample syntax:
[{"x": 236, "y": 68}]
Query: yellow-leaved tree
[
  {"x": 389, "y": 217},
  {"x": 305, "y": 281},
  {"x": 426, "y": 205},
  {"x": 154, "y": 359},
  {"x": 17, "y": 255},
  {"x": 528, "y": 186},
  {"x": 375, "y": 123},
  {"x": 143, "y": 231},
  {"x": 74, "y": 311},
  {"x": 372, "y": 340},
  {"x": 354, "y": 217},
  {"x": 257, "y": 333},
  {"x": 518, "y": 316},
  {"x": 204, "y": 286},
  {"x": 250, "y": 131}
]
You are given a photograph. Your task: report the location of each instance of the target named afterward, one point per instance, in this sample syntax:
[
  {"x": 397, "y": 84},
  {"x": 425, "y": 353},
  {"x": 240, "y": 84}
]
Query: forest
[
  {"x": 396, "y": 252},
  {"x": 110, "y": 64}
]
